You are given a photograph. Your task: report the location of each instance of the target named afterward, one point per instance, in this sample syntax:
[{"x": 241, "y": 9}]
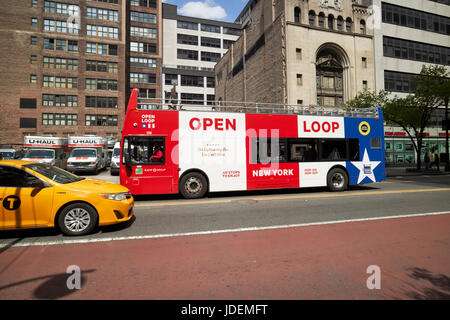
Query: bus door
[{"x": 148, "y": 165}]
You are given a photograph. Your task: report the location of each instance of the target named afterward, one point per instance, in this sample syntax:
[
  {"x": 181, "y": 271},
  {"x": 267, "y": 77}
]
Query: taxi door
[{"x": 25, "y": 200}]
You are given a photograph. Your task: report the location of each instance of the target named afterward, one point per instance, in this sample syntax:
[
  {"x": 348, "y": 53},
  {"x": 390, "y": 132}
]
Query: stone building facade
[{"x": 299, "y": 52}]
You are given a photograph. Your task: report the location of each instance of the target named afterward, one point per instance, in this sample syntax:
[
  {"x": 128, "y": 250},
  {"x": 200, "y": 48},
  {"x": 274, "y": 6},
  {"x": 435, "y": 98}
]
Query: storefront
[{"x": 400, "y": 149}]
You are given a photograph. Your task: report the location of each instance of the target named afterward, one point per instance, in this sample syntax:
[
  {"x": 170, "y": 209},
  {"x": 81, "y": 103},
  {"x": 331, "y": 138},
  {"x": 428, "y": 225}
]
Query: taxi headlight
[{"x": 116, "y": 196}]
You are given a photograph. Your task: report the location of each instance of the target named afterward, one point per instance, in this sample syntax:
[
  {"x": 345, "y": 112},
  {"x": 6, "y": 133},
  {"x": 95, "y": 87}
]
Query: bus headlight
[{"x": 116, "y": 196}]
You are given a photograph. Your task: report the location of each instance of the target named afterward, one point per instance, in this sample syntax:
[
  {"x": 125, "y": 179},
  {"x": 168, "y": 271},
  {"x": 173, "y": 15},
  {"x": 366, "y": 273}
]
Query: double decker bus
[{"x": 195, "y": 152}]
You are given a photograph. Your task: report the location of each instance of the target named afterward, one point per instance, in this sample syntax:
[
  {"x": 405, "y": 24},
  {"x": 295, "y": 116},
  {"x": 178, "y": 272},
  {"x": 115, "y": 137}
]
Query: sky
[{"x": 224, "y": 10}]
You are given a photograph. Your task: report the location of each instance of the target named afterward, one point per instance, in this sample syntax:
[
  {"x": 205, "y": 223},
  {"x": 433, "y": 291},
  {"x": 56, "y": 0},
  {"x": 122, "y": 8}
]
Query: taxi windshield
[
  {"x": 46, "y": 154},
  {"x": 84, "y": 153},
  {"x": 56, "y": 174}
]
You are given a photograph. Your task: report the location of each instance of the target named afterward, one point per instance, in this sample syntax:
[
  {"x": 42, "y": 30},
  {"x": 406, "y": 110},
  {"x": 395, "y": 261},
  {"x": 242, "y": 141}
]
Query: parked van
[
  {"x": 115, "y": 159},
  {"x": 46, "y": 149},
  {"x": 9, "y": 153},
  {"x": 88, "y": 154}
]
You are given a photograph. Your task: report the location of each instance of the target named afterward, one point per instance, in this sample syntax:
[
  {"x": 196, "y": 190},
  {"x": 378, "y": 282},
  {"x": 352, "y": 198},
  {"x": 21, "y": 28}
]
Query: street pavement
[{"x": 287, "y": 244}]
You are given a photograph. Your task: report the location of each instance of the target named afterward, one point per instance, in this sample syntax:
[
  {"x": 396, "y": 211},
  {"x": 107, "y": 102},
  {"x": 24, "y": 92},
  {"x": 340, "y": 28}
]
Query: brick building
[
  {"x": 299, "y": 52},
  {"x": 66, "y": 65}
]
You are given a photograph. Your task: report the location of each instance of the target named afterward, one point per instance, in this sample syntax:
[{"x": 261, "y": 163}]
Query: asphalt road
[
  {"x": 167, "y": 215},
  {"x": 254, "y": 245}
]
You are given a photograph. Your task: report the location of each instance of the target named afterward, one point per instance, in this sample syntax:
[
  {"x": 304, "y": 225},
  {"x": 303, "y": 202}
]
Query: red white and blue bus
[{"x": 195, "y": 152}]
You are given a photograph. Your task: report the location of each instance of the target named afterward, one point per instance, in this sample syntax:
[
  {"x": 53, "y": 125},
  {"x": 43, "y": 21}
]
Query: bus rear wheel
[
  {"x": 193, "y": 185},
  {"x": 337, "y": 180}
]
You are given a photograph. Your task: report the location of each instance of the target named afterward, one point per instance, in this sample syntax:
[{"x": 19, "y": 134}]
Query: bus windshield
[
  {"x": 46, "y": 154},
  {"x": 84, "y": 153}
]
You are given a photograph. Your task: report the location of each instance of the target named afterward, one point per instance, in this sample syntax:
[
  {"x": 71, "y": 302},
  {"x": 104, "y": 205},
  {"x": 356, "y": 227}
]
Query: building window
[
  {"x": 416, "y": 51},
  {"x": 103, "y": 14},
  {"x": 298, "y": 53},
  {"x": 364, "y": 62},
  {"x": 340, "y": 23},
  {"x": 210, "y": 83},
  {"x": 299, "y": 79},
  {"x": 399, "y": 81},
  {"x": 364, "y": 85},
  {"x": 28, "y": 122},
  {"x": 297, "y": 15},
  {"x": 348, "y": 25},
  {"x": 362, "y": 26},
  {"x": 34, "y": 3},
  {"x": 227, "y": 43},
  {"x": 192, "y": 98},
  {"x": 312, "y": 18},
  {"x": 210, "y": 56},
  {"x": 232, "y": 31},
  {"x": 33, "y": 59},
  {"x": 143, "y": 32},
  {"x": 33, "y": 40},
  {"x": 321, "y": 20},
  {"x": 416, "y": 19},
  {"x": 100, "y": 120},
  {"x": 142, "y": 17},
  {"x": 142, "y": 47},
  {"x": 101, "y": 102},
  {"x": 142, "y": 62},
  {"x": 50, "y": 100},
  {"x": 187, "y": 25},
  {"x": 33, "y": 78},
  {"x": 27, "y": 103},
  {"x": 210, "y": 42},
  {"x": 331, "y": 22},
  {"x": 192, "y": 81},
  {"x": 209, "y": 28},
  {"x": 101, "y": 84},
  {"x": 142, "y": 77},
  {"x": 187, "y": 54},
  {"x": 34, "y": 22},
  {"x": 59, "y": 119},
  {"x": 170, "y": 79}
]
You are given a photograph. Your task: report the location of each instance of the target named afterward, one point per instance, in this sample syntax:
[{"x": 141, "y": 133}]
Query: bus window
[
  {"x": 375, "y": 143},
  {"x": 302, "y": 150},
  {"x": 353, "y": 149},
  {"x": 145, "y": 150},
  {"x": 334, "y": 149},
  {"x": 269, "y": 150}
]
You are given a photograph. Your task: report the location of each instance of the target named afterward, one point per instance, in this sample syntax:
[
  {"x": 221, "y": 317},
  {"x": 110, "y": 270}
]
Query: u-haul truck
[
  {"x": 46, "y": 149},
  {"x": 88, "y": 154}
]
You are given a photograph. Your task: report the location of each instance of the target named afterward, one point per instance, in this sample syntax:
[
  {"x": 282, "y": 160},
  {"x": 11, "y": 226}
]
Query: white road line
[{"x": 171, "y": 235}]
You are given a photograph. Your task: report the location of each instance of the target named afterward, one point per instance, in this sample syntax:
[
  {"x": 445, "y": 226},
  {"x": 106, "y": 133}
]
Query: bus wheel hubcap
[
  {"x": 77, "y": 220},
  {"x": 338, "y": 180},
  {"x": 193, "y": 185}
]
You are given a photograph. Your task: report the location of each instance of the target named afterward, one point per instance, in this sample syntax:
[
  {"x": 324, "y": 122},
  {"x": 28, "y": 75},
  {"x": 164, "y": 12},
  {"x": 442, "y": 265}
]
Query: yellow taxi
[{"x": 34, "y": 195}]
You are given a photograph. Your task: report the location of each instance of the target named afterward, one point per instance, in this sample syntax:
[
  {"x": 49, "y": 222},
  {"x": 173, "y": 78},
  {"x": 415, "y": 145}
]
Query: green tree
[{"x": 413, "y": 112}]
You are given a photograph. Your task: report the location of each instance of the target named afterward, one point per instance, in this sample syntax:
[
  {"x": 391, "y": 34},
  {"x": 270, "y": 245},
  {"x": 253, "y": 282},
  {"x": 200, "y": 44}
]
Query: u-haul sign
[
  {"x": 43, "y": 141},
  {"x": 86, "y": 141}
]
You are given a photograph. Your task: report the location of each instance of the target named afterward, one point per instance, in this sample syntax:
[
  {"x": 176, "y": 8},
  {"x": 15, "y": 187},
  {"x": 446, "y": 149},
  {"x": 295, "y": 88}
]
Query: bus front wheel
[
  {"x": 337, "y": 179},
  {"x": 193, "y": 185}
]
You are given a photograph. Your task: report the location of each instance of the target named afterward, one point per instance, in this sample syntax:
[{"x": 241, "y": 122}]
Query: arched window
[
  {"x": 348, "y": 25},
  {"x": 329, "y": 78},
  {"x": 331, "y": 22},
  {"x": 340, "y": 23},
  {"x": 362, "y": 26},
  {"x": 321, "y": 20},
  {"x": 297, "y": 18},
  {"x": 312, "y": 18}
]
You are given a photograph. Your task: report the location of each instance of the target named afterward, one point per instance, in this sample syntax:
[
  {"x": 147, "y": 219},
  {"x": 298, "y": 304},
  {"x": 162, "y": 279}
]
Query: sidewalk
[{"x": 412, "y": 171}]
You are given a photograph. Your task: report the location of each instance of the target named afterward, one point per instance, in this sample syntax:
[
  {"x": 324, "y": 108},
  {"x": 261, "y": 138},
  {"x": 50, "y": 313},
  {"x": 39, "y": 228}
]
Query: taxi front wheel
[{"x": 77, "y": 219}]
